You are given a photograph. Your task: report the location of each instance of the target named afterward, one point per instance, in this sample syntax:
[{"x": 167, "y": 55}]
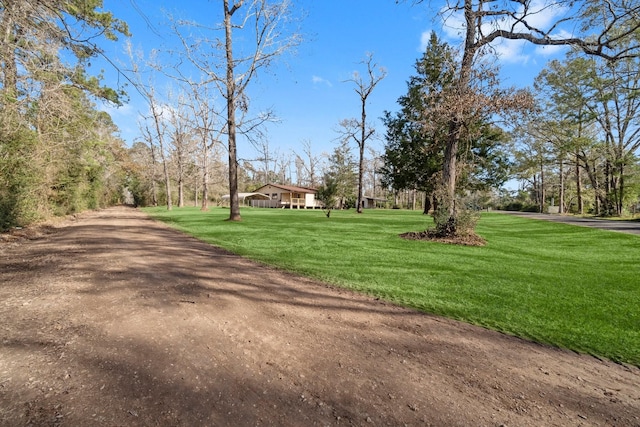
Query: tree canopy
[
  {"x": 598, "y": 28},
  {"x": 57, "y": 152},
  {"x": 417, "y": 135}
]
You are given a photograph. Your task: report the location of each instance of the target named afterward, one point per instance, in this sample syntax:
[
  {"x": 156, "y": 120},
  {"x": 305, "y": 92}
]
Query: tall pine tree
[{"x": 413, "y": 152}]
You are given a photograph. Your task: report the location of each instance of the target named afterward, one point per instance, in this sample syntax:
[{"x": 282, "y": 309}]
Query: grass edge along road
[{"x": 573, "y": 287}]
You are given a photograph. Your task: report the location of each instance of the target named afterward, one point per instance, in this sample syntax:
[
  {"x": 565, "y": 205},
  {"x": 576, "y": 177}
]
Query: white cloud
[
  {"x": 453, "y": 25},
  {"x": 321, "y": 81},
  {"x": 542, "y": 14},
  {"x": 424, "y": 40},
  {"x": 550, "y": 50},
  {"x": 512, "y": 51},
  {"x": 554, "y": 50}
]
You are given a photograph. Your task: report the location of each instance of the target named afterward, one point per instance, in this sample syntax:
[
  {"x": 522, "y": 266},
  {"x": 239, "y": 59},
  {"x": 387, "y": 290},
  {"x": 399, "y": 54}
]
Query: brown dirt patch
[
  {"x": 470, "y": 239},
  {"x": 114, "y": 319}
]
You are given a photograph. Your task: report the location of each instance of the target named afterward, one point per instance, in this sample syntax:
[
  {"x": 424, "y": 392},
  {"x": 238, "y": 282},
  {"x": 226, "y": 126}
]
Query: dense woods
[{"x": 58, "y": 153}]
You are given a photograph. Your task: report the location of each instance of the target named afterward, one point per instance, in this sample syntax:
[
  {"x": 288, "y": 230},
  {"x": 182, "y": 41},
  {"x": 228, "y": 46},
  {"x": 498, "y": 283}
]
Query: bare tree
[
  {"x": 182, "y": 141},
  {"x": 300, "y": 170},
  {"x": 359, "y": 130},
  {"x": 268, "y": 160},
  {"x": 202, "y": 114},
  {"x": 263, "y": 25},
  {"x": 266, "y": 20},
  {"x": 204, "y": 122},
  {"x": 156, "y": 110},
  {"x": 159, "y": 126},
  {"x": 209, "y": 136},
  {"x": 602, "y": 28},
  {"x": 308, "y": 174},
  {"x": 284, "y": 168}
]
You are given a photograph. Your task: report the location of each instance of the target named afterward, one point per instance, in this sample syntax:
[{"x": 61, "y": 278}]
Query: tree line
[
  {"x": 456, "y": 100},
  {"x": 574, "y": 147},
  {"x": 571, "y": 140},
  {"x": 58, "y": 153},
  {"x": 579, "y": 149}
]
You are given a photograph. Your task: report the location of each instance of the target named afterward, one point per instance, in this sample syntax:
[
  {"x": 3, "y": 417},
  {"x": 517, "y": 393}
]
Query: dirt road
[{"x": 116, "y": 320}]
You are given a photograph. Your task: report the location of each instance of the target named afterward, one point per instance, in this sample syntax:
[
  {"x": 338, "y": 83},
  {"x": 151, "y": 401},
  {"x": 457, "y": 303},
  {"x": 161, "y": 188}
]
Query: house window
[{"x": 274, "y": 196}]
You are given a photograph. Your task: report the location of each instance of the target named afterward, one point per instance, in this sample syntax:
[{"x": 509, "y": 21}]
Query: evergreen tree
[
  {"x": 52, "y": 139},
  {"x": 604, "y": 29},
  {"x": 414, "y": 152}
]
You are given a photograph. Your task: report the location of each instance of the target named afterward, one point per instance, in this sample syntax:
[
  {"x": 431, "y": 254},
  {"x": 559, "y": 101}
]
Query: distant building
[
  {"x": 245, "y": 198},
  {"x": 369, "y": 202},
  {"x": 286, "y": 196}
]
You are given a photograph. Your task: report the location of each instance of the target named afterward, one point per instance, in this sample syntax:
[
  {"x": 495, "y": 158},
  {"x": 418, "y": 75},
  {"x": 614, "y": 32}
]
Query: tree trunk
[
  {"x": 9, "y": 67},
  {"x": 195, "y": 189},
  {"x": 154, "y": 186},
  {"x": 427, "y": 203},
  {"x": 542, "y": 189},
  {"x": 167, "y": 179},
  {"x": 579, "y": 186},
  {"x": 363, "y": 132},
  {"x": 205, "y": 178},
  {"x": 600, "y": 199},
  {"x": 536, "y": 189},
  {"x": 180, "y": 180},
  {"x": 620, "y": 204},
  {"x": 234, "y": 214},
  {"x": 561, "y": 195},
  {"x": 607, "y": 188},
  {"x": 449, "y": 170}
]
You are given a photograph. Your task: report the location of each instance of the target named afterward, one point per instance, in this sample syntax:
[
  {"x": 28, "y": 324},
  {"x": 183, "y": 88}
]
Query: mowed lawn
[{"x": 572, "y": 287}]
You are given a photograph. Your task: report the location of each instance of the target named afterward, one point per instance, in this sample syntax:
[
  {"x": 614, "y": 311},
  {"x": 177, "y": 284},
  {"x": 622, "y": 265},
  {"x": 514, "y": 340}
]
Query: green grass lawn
[{"x": 568, "y": 286}]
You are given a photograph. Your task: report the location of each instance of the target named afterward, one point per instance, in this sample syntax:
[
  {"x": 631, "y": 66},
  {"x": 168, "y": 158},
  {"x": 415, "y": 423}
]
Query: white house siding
[
  {"x": 282, "y": 197},
  {"x": 310, "y": 201}
]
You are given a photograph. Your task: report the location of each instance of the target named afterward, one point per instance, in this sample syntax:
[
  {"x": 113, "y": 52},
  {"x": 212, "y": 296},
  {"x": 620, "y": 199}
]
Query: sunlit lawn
[{"x": 573, "y": 287}]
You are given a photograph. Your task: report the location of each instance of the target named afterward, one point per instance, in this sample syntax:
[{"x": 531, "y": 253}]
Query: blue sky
[{"x": 308, "y": 90}]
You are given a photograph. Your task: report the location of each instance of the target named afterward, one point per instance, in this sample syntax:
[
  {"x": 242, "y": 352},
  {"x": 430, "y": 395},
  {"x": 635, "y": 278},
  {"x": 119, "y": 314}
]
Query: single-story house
[{"x": 286, "y": 196}]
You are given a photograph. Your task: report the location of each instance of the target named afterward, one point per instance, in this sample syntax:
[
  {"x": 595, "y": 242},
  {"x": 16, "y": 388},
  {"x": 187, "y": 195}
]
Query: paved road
[{"x": 630, "y": 227}]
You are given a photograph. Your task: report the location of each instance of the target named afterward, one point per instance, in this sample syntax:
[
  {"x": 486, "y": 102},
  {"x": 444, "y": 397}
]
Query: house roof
[{"x": 291, "y": 188}]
